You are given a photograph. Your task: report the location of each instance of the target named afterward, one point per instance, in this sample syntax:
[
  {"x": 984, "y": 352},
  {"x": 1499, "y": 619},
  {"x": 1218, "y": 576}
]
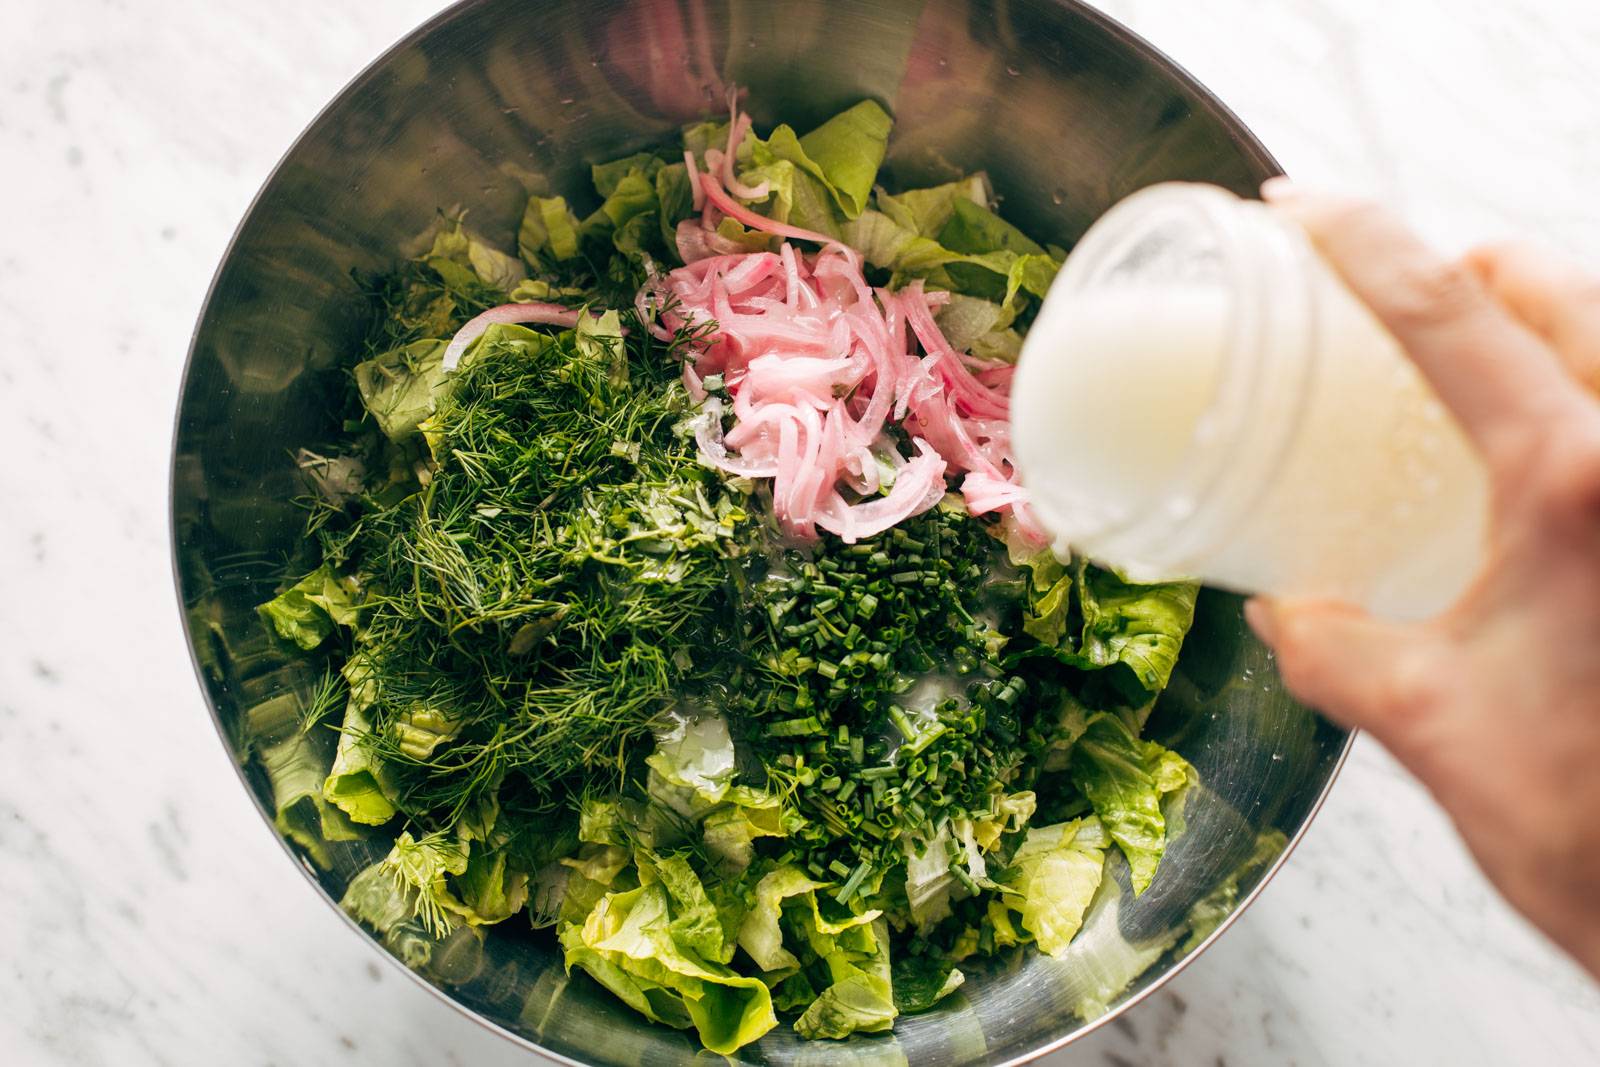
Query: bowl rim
[{"x": 1244, "y": 138}]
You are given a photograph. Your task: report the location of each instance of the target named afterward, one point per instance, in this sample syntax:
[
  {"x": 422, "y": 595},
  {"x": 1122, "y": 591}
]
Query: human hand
[{"x": 1495, "y": 704}]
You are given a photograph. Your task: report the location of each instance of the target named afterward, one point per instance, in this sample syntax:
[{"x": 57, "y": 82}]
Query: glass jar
[{"x": 1200, "y": 396}]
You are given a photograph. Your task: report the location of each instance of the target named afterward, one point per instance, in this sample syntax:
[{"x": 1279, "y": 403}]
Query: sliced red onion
[{"x": 537, "y": 314}]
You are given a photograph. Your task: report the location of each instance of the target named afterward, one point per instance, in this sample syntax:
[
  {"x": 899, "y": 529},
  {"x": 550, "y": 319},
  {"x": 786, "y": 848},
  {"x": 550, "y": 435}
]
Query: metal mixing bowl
[{"x": 493, "y": 99}]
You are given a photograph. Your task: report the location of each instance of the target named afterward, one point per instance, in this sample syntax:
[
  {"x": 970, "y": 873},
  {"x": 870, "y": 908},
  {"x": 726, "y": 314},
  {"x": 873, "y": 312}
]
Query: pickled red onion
[
  {"x": 818, "y": 364},
  {"x": 537, "y": 314}
]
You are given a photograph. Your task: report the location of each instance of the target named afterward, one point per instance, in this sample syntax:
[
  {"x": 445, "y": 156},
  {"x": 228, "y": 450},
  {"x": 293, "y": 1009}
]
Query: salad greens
[{"x": 581, "y": 680}]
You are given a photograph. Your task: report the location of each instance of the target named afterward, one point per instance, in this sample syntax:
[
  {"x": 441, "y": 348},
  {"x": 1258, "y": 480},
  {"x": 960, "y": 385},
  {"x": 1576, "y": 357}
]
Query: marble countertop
[{"x": 148, "y": 918}]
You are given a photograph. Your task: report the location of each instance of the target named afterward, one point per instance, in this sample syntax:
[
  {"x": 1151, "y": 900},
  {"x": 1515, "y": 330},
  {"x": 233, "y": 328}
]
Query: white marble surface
[{"x": 145, "y": 915}]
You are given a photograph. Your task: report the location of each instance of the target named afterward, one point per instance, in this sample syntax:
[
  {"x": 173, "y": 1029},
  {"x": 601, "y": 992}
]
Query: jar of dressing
[{"x": 1201, "y": 397}]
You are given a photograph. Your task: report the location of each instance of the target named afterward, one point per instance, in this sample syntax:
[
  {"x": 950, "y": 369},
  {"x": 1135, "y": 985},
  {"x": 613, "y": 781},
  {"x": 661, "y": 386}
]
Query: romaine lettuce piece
[
  {"x": 696, "y": 924},
  {"x": 308, "y": 612},
  {"x": 1058, "y": 870},
  {"x": 825, "y": 177},
  {"x": 410, "y": 884},
  {"x": 926, "y": 211},
  {"x": 729, "y": 831},
  {"x": 359, "y": 783},
  {"x": 1141, "y": 627},
  {"x": 920, "y": 982},
  {"x": 930, "y": 884},
  {"x": 861, "y": 996},
  {"x": 947, "y": 235},
  {"x": 549, "y": 230},
  {"x": 491, "y": 887},
  {"x": 630, "y": 935},
  {"x": 591, "y": 874},
  {"x": 401, "y": 387},
  {"x": 980, "y": 327},
  {"x": 461, "y": 257},
  {"x": 845, "y": 153},
  {"x": 761, "y": 934},
  {"x": 1126, "y": 780}
]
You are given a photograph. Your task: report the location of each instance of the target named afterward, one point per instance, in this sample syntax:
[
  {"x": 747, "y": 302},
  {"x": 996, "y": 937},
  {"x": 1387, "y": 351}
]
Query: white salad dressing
[{"x": 1201, "y": 397}]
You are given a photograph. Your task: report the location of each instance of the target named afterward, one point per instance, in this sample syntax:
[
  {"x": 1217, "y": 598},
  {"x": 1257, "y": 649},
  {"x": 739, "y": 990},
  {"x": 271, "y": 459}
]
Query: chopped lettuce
[
  {"x": 406, "y": 896},
  {"x": 761, "y": 934},
  {"x": 549, "y": 230},
  {"x": 628, "y": 213},
  {"x": 920, "y": 982},
  {"x": 696, "y": 922},
  {"x": 308, "y": 612},
  {"x": 1126, "y": 780},
  {"x": 1057, "y": 871},
  {"x": 402, "y": 386},
  {"x": 1140, "y": 626},
  {"x": 926, "y": 211},
  {"x": 981, "y": 327},
  {"x": 730, "y": 830},
  {"x": 359, "y": 782},
  {"x": 818, "y": 180},
  {"x": 948, "y": 236},
  {"x": 630, "y": 944},
  {"x": 931, "y": 883},
  {"x": 860, "y": 998},
  {"x": 1137, "y": 626},
  {"x": 460, "y": 257}
]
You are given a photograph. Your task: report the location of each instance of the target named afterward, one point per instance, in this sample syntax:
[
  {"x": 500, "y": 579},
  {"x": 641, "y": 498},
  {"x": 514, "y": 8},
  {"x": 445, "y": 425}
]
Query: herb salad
[{"x": 678, "y": 598}]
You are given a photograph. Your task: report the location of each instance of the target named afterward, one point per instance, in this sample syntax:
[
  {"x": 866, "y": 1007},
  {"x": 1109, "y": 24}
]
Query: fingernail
[
  {"x": 1262, "y": 617},
  {"x": 1279, "y": 189}
]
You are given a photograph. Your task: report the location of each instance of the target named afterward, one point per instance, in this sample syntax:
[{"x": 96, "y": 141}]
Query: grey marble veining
[{"x": 148, "y": 917}]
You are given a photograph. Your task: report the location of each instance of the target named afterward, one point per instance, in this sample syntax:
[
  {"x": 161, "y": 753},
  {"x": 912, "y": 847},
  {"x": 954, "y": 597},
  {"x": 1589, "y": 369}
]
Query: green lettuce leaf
[
  {"x": 491, "y": 887},
  {"x": 861, "y": 996},
  {"x": 549, "y": 230},
  {"x": 590, "y": 875},
  {"x": 995, "y": 275},
  {"x": 609, "y": 177},
  {"x": 930, "y": 884},
  {"x": 401, "y": 387},
  {"x": 1126, "y": 779},
  {"x": 980, "y": 327},
  {"x": 628, "y": 213},
  {"x": 459, "y": 257},
  {"x": 1058, "y": 869},
  {"x": 1090, "y": 618},
  {"x": 699, "y": 136},
  {"x": 761, "y": 934},
  {"x": 926, "y": 211},
  {"x": 920, "y": 982},
  {"x": 1140, "y": 626},
  {"x": 632, "y": 948},
  {"x": 845, "y": 153},
  {"x": 307, "y": 613},
  {"x": 824, "y": 178},
  {"x": 674, "y": 201},
  {"x": 406, "y": 896},
  {"x": 359, "y": 783},
  {"x": 729, "y": 831},
  {"x": 696, "y": 923},
  {"x": 1011, "y": 815}
]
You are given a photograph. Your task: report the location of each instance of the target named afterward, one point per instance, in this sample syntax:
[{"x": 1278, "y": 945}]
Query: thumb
[{"x": 1343, "y": 662}]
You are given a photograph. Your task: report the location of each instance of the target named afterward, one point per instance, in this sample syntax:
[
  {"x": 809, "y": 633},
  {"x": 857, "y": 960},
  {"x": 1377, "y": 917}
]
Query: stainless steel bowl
[{"x": 496, "y": 98}]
